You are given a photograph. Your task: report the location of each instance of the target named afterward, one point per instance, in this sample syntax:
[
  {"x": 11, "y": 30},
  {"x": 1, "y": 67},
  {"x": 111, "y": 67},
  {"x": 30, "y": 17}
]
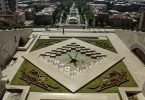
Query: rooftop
[{"x": 47, "y": 11}]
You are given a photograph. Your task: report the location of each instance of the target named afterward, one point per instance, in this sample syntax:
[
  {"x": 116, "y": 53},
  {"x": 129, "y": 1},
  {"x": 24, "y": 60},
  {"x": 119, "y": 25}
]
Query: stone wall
[
  {"x": 2, "y": 89},
  {"x": 132, "y": 39},
  {"x": 9, "y": 42}
]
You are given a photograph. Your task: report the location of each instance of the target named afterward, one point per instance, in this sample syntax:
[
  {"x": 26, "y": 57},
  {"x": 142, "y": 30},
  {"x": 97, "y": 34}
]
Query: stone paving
[
  {"x": 20, "y": 96},
  {"x": 77, "y": 96}
]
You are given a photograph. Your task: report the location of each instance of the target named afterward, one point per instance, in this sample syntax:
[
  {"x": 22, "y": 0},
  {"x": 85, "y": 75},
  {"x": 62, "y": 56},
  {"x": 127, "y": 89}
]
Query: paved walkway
[
  {"x": 87, "y": 30},
  {"x": 133, "y": 64},
  {"x": 77, "y": 96},
  {"x": 77, "y": 14}
]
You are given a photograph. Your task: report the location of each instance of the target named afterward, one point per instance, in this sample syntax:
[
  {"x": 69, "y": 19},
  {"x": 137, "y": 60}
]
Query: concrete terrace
[{"x": 133, "y": 64}]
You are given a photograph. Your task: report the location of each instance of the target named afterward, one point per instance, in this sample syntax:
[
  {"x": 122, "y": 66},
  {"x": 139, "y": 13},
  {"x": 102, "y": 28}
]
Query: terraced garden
[{"x": 108, "y": 82}]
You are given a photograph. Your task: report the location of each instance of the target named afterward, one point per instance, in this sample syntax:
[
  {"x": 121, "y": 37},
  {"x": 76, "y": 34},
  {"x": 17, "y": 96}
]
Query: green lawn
[
  {"x": 86, "y": 89},
  {"x": 28, "y": 66},
  {"x": 118, "y": 67},
  {"x": 41, "y": 43},
  {"x": 105, "y": 44}
]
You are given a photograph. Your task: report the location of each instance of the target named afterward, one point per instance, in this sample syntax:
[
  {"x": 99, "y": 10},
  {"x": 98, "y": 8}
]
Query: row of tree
[
  {"x": 7, "y": 25},
  {"x": 64, "y": 8},
  {"x": 84, "y": 9}
]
